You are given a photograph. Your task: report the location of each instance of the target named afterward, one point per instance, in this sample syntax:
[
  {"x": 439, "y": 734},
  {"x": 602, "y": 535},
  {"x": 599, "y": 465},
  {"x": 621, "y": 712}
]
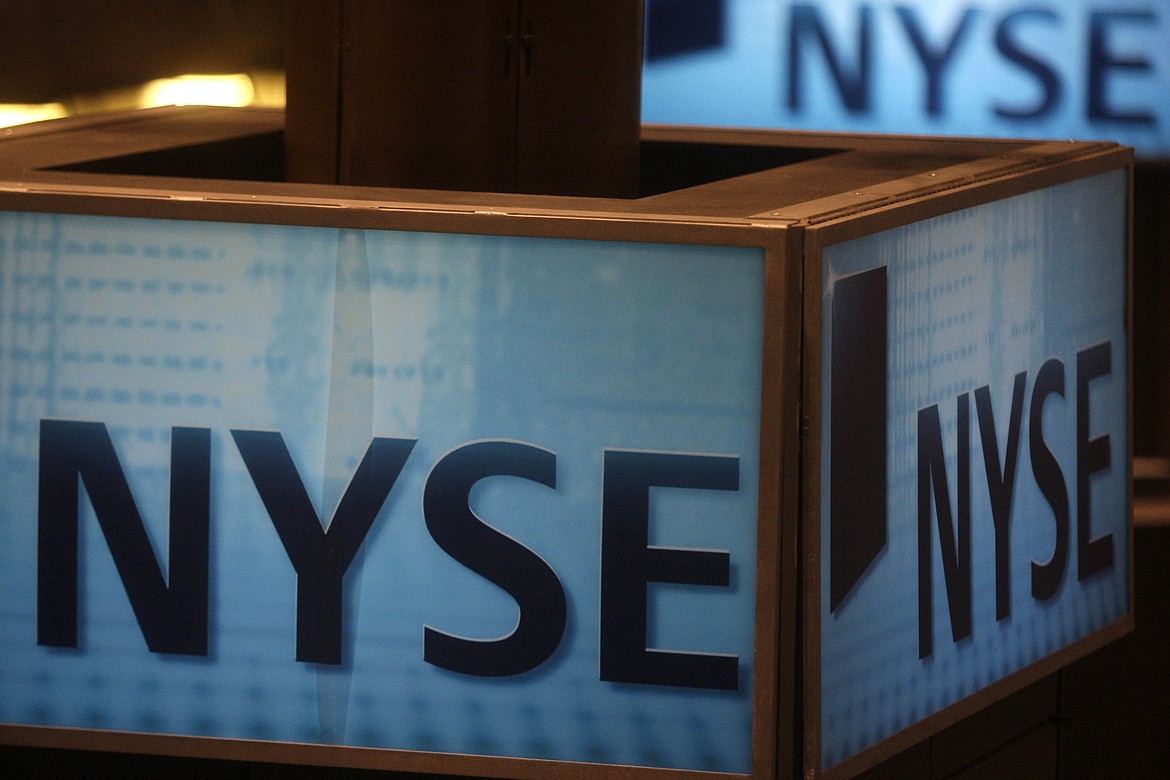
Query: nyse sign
[
  {"x": 173, "y": 612},
  {"x": 974, "y": 492},
  {"x": 1090, "y": 69},
  {"x": 428, "y": 492}
]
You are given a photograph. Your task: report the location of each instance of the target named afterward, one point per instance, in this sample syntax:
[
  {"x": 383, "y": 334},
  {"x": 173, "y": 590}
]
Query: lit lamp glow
[
  {"x": 23, "y": 113},
  {"x": 195, "y": 90}
]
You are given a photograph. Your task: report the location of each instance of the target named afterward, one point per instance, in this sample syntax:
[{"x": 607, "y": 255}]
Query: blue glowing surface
[
  {"x": 332, "y": 337},
  {"x": 1096, "y": 70},
  {"x": 975, "y": 298}
]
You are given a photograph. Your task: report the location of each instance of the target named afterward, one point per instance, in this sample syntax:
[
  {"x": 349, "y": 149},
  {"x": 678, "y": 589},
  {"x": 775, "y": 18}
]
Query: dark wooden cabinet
[{"x": 534, "y": 96}]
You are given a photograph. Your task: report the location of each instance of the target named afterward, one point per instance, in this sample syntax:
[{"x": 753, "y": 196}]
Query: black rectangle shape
[
  {"x": 675, "y": 27},
  {"x": 857, "y": 454}
]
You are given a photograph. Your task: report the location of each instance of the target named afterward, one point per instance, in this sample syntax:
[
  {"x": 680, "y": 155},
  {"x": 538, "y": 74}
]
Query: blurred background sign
[{"x": 1084, "y": 69}]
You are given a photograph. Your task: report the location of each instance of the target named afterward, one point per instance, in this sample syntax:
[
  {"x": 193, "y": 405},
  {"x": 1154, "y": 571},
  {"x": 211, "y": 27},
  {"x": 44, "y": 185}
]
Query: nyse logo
[
  {"x": 858, "y": 469},
  {"x": 852, "y": 62},
  {"x": 172, "y": 611}
]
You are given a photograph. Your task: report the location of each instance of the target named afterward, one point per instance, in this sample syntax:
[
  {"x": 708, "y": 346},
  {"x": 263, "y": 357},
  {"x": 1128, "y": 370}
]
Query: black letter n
[
  {"x": 954, "y": 540},
  {"x": 808, "y": 29},
  {"x": 172, "y": 615}
]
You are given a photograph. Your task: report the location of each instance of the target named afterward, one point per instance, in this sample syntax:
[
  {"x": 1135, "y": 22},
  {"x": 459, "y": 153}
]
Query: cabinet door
[
  {"x": 535, "y": 96},
  {"x": 579, "y": 116},
  {"x": 428, "y": 94}
]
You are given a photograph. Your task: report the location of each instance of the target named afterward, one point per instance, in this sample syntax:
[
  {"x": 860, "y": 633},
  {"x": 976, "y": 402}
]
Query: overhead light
[
  {"x": 192, "y": 90},
  {"x": 23, "y": 113}
]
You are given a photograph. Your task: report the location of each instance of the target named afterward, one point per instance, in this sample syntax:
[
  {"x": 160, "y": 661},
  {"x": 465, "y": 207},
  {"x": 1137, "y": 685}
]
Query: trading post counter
[{"x": 815, "y": 448}]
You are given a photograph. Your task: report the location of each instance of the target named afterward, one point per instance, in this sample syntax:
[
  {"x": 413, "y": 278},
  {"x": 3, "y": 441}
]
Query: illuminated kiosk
[{"x": 815, "y": 447}]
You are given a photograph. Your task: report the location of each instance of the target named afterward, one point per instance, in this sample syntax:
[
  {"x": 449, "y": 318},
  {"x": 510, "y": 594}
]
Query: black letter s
[
  {"x": 1046, "y": 577},
  {"x": 496, "y": 557}
]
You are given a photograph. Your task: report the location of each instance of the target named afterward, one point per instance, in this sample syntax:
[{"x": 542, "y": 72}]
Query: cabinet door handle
[{"x": 509, "y": 46}]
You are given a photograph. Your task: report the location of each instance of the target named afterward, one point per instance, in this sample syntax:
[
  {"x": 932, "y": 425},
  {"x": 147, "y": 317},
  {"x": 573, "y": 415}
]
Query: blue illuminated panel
[
  {"x": 576, "y": 421},
  {"x": 1002, "y": 537},
  {"x": 1095, "y": 70}
]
